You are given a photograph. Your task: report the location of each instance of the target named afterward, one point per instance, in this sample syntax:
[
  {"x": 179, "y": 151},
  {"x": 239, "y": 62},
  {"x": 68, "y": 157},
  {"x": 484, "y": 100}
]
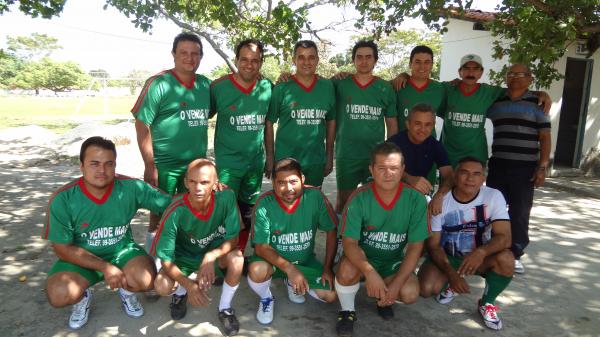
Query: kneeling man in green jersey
[
  {"x": 380, "y": 220},
  {"x": 88, "y": 223},
  {"x": 197, "y": 234},
  {"x": 470, "y": 236},
  {"x": 285, "y": 224}
]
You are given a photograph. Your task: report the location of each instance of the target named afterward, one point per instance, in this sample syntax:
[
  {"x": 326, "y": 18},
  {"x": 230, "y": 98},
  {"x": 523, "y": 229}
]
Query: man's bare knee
[
  {"x": 347, "y": 274},
  {"x": 63, "y": 290},
  {"x": 163, "y": 284},
  {"x": 259, "y": 271},
  {"x": 504, "y": 263}
]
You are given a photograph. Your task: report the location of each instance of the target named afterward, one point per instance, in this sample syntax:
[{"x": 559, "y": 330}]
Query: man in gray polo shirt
[{"x": 520, "y": 152}]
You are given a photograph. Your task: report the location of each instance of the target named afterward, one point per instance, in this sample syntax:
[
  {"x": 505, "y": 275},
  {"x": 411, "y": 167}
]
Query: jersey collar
[
  {"x": 199, "y": 215},
  {"x": 366, "y": 85},
  {"x": 283, "y": 206},
  {"x": 462, "y": 89},
  {"x": 91, "y": 196},
  {"x": 240, "y": 87},
  {"x": 391, "y": 205},
  {"x": 417, "y": 88},
  {"x": 310, "y": 87},
  {"x": 190, "y": 86}
]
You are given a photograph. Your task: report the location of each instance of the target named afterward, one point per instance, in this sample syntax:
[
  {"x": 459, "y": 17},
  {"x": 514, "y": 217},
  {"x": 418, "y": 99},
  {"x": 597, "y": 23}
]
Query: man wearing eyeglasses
[{"x": 520, "y": 152}]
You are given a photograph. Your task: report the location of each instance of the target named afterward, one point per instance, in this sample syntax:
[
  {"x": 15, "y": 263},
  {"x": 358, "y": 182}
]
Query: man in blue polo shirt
[
  {"x": 421, "y": 151},
  {"x": 520, "y": 153}
]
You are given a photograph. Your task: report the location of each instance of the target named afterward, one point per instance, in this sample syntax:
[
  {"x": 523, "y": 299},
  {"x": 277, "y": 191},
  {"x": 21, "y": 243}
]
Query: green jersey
[
  {"x": 302, "y": 113},
  {"x": 432, "y": 93},
  {"x": 241, "y": 114},
  {"x": 360, "y": 116},
  {"x": 185, "y": 235},
  {"x": 464, "y": 121},
  {"x": 177, "y": 116},
  {"x": 100, "y": 226},
  {"x": 291, "y": 232},
  {"x": 381, "y": 230}
]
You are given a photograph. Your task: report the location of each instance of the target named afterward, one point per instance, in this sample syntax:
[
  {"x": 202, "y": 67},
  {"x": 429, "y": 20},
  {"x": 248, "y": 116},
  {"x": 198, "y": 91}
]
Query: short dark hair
[
  {"x": 248, "y": 42},
  {"x": 186, "y": 36},
  {"x": 471, "y": 159},
  {"x": 365, "y": 44},
  {"x": 385, "y": 148},
  {"x": 305, "y": 44},
  {"x": 98, "y": 141},
  {"x": 287, "y": 164},
  {"x": 420, "y": 107},
  {"x": 420, "y": 49}
]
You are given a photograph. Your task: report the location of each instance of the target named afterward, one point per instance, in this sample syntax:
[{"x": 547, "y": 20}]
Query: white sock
[
  {"x": 180, "y": 291},
  {"x": 125, "y": 292},
  {"x": 149, "y": 239},
  {"x": 263, "y": 290},
  {"x": 346, "y": 295},
  {"x": 227, "y": 295}
]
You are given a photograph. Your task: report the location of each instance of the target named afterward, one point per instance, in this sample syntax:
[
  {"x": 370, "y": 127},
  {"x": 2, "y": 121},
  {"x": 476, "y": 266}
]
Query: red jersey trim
[
  {"x": 144, "y": 92},
  {"x": 366, "y": 85},
  {"x": 310, "y": 87},
  {"x": 253, "y": 219},
  {"x": 190, "y": 86},
  {"x": 172, "y": 207},
  {"x": 202, "y": 216},
  {"x": 462, "y": 89},
  {"x": 91, "y": 196},
  {"x": 284, "y": 207},
  {"x": 240, "y": 87},
  {"x": 417, "y": 88},
  {"x": 65, "y": 187},
  {"x": 389, "y": 206},
  {"x": 345, "y": 212}
]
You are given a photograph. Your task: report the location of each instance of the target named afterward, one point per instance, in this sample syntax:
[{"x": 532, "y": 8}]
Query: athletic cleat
[
  {"x": 445, "y": 296},
  {"x": 519, "y": 268},
  {"x": 178, "y": 306},
  {"x": 489, "y": 313},
  {"x": 345, "y": 324},
  {"x": 293, "y": 296},
  {"x": 386, "y": 312},
  {"x": 131, "y": 305},
  {"x": 81, "y": 311},
  {"x": 264, "y": 315},
  {"x": 231, "y": 326}
]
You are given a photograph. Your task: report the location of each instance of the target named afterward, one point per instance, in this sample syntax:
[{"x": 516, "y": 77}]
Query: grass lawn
[{"x": 60, "y": 114}]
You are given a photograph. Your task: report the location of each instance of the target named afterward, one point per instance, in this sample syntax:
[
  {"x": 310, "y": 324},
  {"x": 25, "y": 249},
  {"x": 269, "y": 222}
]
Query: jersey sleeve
[
  {"x": 327, "y": 218},
  {"x": 213, "y": 100},
  {"x": 148, "y": 103},
  {"x": 499, "y": 209},
  {"x": 233, "y": 217},
  {"x": 152, "y": 198},
  {"x": 275, "y": 104},
  {"x": 163, "y": 246},
  {"x": 418, "y": 229},
  {"x": 352, "y": 219},
  {"x": 261, "y": 227},
  {"x": 59, "y": 227},
  {"x": 390, "y": 108}
]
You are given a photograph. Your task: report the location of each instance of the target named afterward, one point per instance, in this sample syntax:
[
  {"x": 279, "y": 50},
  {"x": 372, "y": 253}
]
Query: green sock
[{"x": 494, "y": 285}]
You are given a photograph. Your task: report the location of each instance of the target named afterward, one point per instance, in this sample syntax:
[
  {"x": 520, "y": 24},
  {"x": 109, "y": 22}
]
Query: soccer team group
[{"x": 387, "y": 215}]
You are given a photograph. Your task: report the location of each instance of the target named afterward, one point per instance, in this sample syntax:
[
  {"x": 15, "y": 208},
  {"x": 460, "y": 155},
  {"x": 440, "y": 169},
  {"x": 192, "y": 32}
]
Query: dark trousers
[{"x": 514, "y": 181}]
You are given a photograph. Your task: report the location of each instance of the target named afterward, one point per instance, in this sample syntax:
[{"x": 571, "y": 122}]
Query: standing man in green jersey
[
  {"x": 241, "y": 102},
  {"x": 285, "y": 225},
  {"x": 171, "y": 120},
  {"x": 304, "y": 108},
  {"x": 366, "y": 107},
  {"x": 88, "y": 223},
  {"x": 380, "y": 220},
  {"x": 198, "y": 233}
]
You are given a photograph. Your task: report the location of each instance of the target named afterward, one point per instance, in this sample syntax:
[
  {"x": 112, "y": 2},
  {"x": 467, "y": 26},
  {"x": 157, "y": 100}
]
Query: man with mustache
[
  {"x": 88, "y": 223},
  {"x": 198, "y": 233}
]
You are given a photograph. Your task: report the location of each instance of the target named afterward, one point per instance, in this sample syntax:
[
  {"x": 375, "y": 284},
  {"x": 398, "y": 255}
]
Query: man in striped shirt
[{"x": 520, "y": 152}]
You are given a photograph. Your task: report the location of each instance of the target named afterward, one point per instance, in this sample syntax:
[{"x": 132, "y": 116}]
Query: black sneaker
[
  {"x": 386, "y": 312},
  {"x": 231, "y": 326},
  {"x": 345, "y": 324},
  {"x": 178, "y": 306}
]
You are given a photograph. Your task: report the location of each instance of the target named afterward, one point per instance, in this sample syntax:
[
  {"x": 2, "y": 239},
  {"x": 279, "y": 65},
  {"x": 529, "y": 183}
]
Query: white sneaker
[
  {"x": 81, "y": 311},
  {"x": 489, "y": 313},
  {"x": 445, "y": 296},
  {"x": 264, "y": 315},
  {"x": 295, "y": 298},
  {"x": 519, "y": 268},
  {"x": 131, "y": 305}
]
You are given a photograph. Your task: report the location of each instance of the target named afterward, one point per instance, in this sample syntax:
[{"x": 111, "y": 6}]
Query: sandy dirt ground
[{"x": 557, "y": 296}]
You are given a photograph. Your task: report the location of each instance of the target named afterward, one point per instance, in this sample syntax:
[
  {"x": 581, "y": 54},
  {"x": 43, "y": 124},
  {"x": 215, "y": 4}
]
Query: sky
[{"x": 106, "y": 39}]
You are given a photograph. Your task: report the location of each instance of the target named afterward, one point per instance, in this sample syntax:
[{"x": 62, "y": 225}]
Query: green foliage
[
  {"x": 52, "y": 75},
  {"x": 10, "y": 66},
  {"x": 271, "y": 69},
  {"x": 32, "y": 47},
  {"x": 34, "y": 8}
]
